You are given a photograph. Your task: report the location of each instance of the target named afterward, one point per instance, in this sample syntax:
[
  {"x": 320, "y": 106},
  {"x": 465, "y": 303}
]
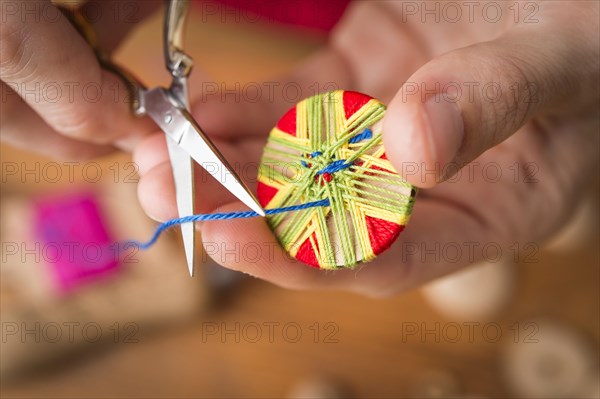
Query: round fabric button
[{"x": 329, "y": 146}]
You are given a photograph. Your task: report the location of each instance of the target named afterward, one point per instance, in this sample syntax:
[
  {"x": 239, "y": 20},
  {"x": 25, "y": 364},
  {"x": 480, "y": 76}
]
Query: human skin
[
  {"x": 540, "y": 131},
  {"x": 74, "y": 115},
  {"x": 542, "y": 136}
]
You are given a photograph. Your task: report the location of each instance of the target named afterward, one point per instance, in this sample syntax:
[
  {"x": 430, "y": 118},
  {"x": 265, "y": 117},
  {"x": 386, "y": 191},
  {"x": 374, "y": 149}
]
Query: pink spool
[{"x": 74, "y": 241}]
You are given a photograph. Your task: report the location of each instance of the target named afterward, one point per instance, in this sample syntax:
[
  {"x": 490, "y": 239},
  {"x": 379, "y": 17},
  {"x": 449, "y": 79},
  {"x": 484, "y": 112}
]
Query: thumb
[{"x": 466, "y": 101}]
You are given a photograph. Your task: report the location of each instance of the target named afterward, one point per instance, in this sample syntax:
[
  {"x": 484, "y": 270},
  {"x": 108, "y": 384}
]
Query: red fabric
[
  {"x": 382, "y": 233},
  {"x": 287, "y": 123},
  {"x": 353, "y": 101},
  {"x": 265, "y": 193},
  {"x": 316, "y": 14},
  {"x": 307, "y": 254}
]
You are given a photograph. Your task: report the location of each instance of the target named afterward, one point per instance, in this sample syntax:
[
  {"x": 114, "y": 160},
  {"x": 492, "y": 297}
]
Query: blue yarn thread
[
  {"x": 221, "y": 216},
  {"x": 340, "y": 164},
  {"x": 333, "y": 167},
  {"x": 364, "y": 135}
]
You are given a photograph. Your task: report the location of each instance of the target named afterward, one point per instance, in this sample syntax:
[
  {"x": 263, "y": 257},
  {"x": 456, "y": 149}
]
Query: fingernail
[{"x": 446, "y": 130}]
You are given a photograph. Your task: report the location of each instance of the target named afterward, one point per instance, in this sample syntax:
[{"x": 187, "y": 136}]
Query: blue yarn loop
[
  {"x": 340, "y": 164},
  {"x": 364, "y": 135},
  {"x": 335, "y": 166},
  {"x": 222, "y": 216}
]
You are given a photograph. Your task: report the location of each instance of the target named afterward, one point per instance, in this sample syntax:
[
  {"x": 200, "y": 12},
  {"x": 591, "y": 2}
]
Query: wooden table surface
[{"x": 246, "y": 347}]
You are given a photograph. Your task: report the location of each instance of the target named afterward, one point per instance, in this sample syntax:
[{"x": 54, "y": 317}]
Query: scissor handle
[{"x": 177, "y": 61}]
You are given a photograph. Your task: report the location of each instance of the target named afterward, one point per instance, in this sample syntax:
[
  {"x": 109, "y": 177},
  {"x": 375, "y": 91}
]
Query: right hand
[{"x": 374, "y": 51}]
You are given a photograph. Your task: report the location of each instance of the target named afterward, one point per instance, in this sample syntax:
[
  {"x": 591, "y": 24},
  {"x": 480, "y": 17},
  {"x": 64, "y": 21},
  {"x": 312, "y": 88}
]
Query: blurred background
[{"x": 138, "y": 326}]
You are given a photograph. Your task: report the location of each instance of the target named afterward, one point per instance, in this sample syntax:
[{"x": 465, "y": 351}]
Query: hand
[
  {"x": 529, "y": 146},
  {"x": 56, "y": 99}
]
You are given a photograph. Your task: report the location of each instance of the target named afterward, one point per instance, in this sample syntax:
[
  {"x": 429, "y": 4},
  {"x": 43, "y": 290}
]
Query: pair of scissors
[{"x": 169, "y": 109}]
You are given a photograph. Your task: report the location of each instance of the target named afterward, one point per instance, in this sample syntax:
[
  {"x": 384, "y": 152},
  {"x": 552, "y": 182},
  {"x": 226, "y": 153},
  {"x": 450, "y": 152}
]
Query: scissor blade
[
  {"x": 203, "y": 152},
  {"x": 180, "y": 126},
  {"x": 183, "y": 175}
]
